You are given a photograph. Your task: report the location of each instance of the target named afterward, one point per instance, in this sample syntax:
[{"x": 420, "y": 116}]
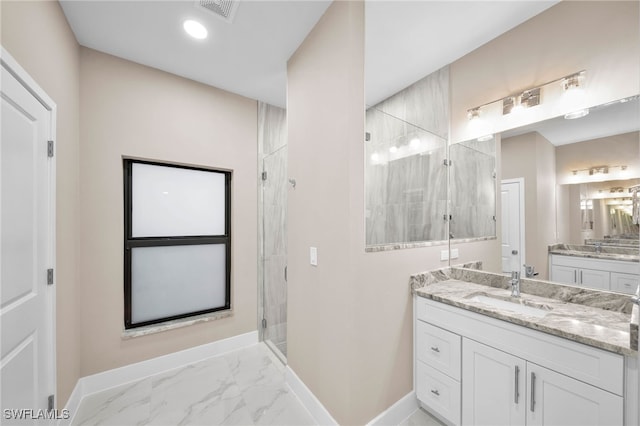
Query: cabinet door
[
  {"x": 564, "y": 274},
  {"x": 493, "y": 391},
  {"x": 594, "y": 279},
  {"x": 556, "y": 399},
  {"x": 624, "y": 283}
]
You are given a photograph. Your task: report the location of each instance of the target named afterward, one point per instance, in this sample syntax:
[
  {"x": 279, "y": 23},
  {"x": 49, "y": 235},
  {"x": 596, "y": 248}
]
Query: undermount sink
[{"x": 512, "y": 304}]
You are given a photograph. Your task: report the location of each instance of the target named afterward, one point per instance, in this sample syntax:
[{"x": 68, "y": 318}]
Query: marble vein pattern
[
  {"x": 627, "y": 254},
  {"x": 405, "y": 181},
  {"x": 243, "y": 387},
  {"x": 592, "y": 317}
]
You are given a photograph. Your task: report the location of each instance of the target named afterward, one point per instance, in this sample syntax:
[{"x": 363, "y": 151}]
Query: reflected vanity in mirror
[{"x": 580, "y": 182}]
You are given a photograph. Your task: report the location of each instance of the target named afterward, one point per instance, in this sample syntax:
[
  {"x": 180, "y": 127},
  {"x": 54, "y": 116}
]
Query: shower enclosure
[{"x": 272, "y": 224}]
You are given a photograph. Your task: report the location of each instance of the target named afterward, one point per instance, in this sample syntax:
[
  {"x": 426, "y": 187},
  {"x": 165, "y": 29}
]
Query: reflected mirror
[{"x": 580, "y": 181}]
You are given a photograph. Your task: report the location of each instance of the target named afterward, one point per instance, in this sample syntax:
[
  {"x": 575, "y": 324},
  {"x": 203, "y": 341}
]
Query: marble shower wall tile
[
  {"x": 424, "y": 104},
  {"x": 473, "y": 207},
  {"x": 272, "y": 145},
  {"x": 272, "y": 127},
  {"x": 405, "y": 179}
]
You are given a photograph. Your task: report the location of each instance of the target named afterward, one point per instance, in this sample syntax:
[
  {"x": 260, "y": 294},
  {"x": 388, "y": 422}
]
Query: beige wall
[
  {"x": 600, "y": 37},
  {"x": 623, "y": 149},
  {"x": 532, "y": 157},
  {"x": 349, "y": 318},
  {"x": 36, "y": 34},
  {"x": 132, "y": 110}
]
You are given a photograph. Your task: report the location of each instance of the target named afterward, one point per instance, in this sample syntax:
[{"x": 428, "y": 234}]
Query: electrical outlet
[
  {"x": 444, "y": 254},
  {"x": 313, "y": 256},
  {"x": 455, "y": 253}
]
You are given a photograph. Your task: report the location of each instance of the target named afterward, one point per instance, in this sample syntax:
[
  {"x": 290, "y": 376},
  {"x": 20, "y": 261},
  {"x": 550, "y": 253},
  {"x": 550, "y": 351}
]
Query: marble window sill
[{"x": 172, "y": 325}]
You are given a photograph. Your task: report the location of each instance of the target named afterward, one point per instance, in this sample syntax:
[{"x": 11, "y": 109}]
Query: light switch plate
[
  {"x": 313, "y": 256},
  {"x": 455, "y": 253}
]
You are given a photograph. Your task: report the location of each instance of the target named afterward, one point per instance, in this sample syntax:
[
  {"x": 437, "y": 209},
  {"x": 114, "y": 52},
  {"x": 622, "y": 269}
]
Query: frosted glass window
[
  {"x": 176, "y": 280},
  {"x": 177, "y": 242},
  {"x": 175, "y": 201}
]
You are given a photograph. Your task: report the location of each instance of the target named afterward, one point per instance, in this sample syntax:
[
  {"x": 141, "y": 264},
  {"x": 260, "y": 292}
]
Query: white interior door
[
  {"x": 512, "y": 193},
  {"x": 26, "y": 250}
]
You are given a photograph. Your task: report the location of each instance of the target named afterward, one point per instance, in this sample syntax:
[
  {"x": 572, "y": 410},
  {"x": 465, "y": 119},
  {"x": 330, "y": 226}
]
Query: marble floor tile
[
  {"x": 126, "y": 404},
  {"x": 243, "y": 387},
  {"x": 421, "y": 418}
]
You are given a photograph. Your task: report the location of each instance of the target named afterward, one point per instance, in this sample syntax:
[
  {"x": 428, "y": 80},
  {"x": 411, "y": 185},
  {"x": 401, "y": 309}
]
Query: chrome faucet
[
  {"x": 598, "y": 247},
  {"x": 515, "y": 284}
]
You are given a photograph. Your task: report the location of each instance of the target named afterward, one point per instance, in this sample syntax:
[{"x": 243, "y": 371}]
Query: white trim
[
  {"x": 25, "y": 79},
  {"x": 398, "y": 412},
  {"x": 129, "y": 373},
  {"x": 319, "y": 413},
  {"x": 520, "y": 182},
  {"x": 22, "y": 76}
]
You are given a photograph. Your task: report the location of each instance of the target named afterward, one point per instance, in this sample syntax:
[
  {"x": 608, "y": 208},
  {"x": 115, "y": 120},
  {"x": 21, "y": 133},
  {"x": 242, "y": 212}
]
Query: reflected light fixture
[
  {"x": 195, "y": 29},
  {"x": 572, "y": 85}
]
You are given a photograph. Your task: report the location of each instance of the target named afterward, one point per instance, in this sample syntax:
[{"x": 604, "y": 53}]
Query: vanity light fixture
[
  {"x": 598, "y": 170},
  {"x": 572, "y": 84},
  {"x": 195, "y": 29},
  {"x": 531, "y": 97},
  {"x": 527, "y": 99},
  {"x": 573, "y": 81},
  {"x": 473, "y": 114}
]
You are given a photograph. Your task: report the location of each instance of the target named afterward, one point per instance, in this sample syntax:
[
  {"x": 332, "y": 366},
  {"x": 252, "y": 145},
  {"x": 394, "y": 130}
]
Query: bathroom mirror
[
  {"x": 405, "y": 183},
  {"x": 589, "y": 166},
  {"x": 602, "y": 212}
]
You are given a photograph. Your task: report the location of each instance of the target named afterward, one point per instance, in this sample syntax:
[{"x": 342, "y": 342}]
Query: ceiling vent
[{"x": 224, "y": 9}]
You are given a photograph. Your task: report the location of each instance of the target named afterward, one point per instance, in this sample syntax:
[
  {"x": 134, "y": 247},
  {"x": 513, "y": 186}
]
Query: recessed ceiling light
[{"x": 195, "y": 29}]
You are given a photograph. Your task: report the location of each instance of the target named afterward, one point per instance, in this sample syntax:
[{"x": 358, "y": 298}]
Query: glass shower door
[{"x": 274, "y": 253}]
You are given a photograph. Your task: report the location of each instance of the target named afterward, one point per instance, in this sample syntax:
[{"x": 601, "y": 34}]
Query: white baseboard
[
  {"x": 308, "y": 399},
  {"x": 398, "y": 412},
  {"x": 141, "y": 370}
]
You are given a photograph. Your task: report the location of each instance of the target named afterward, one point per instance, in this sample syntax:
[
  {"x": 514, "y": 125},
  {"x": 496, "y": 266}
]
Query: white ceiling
[
  {"x": 602, "y": 121},
  {"x": 405, "y": 41}
]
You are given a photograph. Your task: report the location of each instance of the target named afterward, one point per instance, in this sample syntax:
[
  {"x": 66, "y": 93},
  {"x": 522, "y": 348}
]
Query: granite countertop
[
  {"x": 608, "y": 253},
  {"x": 599, "y": 319}
]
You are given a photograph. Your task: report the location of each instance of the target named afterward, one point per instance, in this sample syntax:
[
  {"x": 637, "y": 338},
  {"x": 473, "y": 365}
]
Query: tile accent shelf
[{"x": 584, "y": 343}]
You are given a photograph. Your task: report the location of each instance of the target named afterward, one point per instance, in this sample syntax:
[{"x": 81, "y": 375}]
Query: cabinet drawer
[
  {"x": 624, "y": 283},
  {"x": 438, "y": 392},
  {"x": 438, "y": 348},
  {"x": 596, "y": 264}
]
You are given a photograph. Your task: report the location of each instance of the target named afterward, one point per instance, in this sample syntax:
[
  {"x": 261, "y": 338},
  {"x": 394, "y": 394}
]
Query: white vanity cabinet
[
  {"x": 511, "y": 375},
  {"x": 502, "y": 389},
  {"x": 614, "y": 275},
  {"x": 437, "y": 354}
]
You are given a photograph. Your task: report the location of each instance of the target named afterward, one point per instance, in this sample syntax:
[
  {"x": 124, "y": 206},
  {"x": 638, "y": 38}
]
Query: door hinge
[
  {"x": 367, "y": 136},
  {"x": 49, "y": 148},
  {"x": 264, "y": 175},
  {"x": 264, "y": 323},
  {"x": 50, "y": 276},
  {"x": 446, "y": 162},
  {"x": 50, "y": 402}
]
